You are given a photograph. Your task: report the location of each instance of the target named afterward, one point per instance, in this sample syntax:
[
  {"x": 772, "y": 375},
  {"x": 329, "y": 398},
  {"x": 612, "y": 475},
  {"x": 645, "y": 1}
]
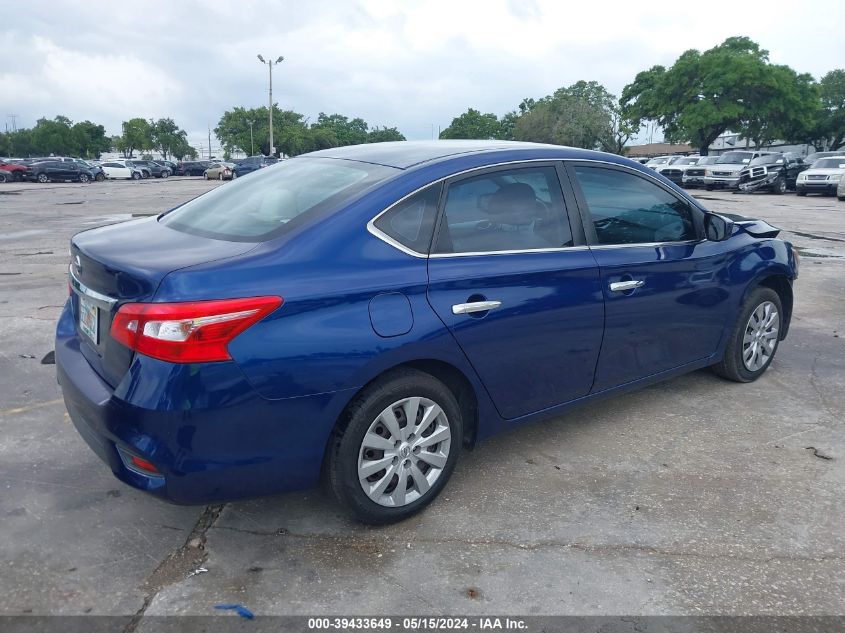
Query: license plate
[{"x": 88, "y": 319}]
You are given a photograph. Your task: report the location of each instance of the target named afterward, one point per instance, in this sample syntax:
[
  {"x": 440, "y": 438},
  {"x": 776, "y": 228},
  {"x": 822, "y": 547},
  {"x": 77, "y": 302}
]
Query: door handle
[
  {"x": 622, "y": 286},
  {"x": 475, "y": 306}
]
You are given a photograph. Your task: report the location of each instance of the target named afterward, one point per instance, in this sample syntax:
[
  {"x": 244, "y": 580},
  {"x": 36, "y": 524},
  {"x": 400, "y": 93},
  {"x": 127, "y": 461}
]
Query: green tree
[
  {"x": 384, "y": 134},
  {"x": 783, "y": 105},
  {"x": 346, "y": 131},
  {"x": 473, "y": 125},
  {"x": 827, "y": 130},
  {"x": 137, "y": 134},
  {"x": 90, "y": 139},
  {"x": 584, "y": 115},
  {"x": 166, "y": 136},
  {"x": 705, "y": 94},
  {"x": 53, "y": 136},
  {"x": 289, "y": 130}
]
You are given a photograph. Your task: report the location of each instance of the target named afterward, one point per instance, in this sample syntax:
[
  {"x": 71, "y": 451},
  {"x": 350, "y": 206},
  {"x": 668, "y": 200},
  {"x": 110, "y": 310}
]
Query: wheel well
[
  {"x": 780, "y": 284},
  {"x": 455, "y": 381}
]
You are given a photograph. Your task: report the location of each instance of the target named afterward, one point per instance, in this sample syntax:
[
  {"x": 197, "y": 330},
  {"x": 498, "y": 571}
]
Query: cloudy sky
[{"x": 412, "y": 64}]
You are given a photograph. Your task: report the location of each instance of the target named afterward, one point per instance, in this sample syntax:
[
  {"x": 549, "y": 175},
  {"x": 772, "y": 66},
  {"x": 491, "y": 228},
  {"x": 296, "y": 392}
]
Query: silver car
[{"x": 724, "y": 172}]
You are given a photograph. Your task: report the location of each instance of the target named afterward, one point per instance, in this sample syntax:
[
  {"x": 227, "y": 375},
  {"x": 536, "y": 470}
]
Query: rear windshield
[{"x": 270, "y": 201}]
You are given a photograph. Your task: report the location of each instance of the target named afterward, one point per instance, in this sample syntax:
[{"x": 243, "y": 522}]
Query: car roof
[{"x": 405, "y": 154}]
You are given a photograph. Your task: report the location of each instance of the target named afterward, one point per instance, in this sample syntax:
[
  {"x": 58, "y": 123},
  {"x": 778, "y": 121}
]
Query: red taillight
[
  {"x": 143, "y": 464},
  {"x": 189, "y": 332}
]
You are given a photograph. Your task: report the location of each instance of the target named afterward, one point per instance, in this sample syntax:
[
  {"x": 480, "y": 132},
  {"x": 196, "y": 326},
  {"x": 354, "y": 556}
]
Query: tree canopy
[
  {"x": 473, "y": 124},
  {"x": 292, "y": 134},
  {"x": 729, "y": 87}
]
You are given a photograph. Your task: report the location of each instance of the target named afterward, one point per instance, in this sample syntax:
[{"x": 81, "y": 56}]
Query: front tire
[
  {"x": 779, "y": 186},
  {"x": 755, "y": 337},
  {"x": 136, "y": 175},
  {"x": 801, "y": 192},
  {"x": 395, "y": 447},
  {"x": 42, "y": 178},
  {"x": 100, "y": 177}
]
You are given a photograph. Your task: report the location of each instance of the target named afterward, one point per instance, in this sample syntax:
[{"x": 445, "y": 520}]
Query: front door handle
[
  {"x": 623, "y": 286},
  {"x": 475, "y": 306}
]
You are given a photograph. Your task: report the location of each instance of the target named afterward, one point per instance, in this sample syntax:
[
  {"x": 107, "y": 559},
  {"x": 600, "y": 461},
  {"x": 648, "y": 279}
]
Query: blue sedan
[{"x": 365, "y": 312}]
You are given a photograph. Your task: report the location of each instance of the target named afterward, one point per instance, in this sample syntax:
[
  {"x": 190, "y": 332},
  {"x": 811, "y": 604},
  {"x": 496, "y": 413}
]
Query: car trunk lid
[{"x": 123, "y": 263}]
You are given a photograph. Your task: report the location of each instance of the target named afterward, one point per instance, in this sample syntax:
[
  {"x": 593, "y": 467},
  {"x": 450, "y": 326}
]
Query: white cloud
[{"x": 410, "y": 64}]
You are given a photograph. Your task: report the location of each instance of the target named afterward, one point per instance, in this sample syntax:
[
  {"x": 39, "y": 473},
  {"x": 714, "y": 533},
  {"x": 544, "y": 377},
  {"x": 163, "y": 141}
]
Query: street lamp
[{"x": 270, "y": 64}]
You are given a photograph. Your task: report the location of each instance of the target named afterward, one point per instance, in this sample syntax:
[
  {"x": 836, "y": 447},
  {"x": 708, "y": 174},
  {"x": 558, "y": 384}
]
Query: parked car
[
  {"x": 823, "y": 177},
  {"x": 192, "y": 167},
  {"x": 13, "y": 171},
  {"x": 366, "y": 311},
  {"x": 155, "y": 169},
  {"x": 661, "y": 161},
  {"x": 6, "y": 176},
  {"x": 775, "y": 172},
  {"x": 840, "y": 190},
  {"x": 812, "y": 158},
  {"x": 169, "y": 164},
  {"x": 694, "y": 174},
  {"x": 724, "y": 173},
  {"x": 58, "y": 170},
  {"x": 253, "y": 163},
  {"x": 99, "y": 174},
  {"x": 675, "y": 171},
  {"x": 120, "y": 169},
  {"x": 220, "y": 171}
]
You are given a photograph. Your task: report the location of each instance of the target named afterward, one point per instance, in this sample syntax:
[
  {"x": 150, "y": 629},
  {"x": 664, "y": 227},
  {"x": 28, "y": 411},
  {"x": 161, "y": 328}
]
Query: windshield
[
  {"x": 830, "y": 163},
  {"x": 658, "y": 161},
  {"x": 768, "y": 159},
  {"x": 735, "y": 157},
  {"x": 264, "y": 204},
  {"x": 688, "y": 161},
  {"x": 707, "y": 160}
]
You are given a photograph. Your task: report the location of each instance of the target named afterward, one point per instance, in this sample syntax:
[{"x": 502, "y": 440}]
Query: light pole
[
  {"x": 270, "y": 64},
  {"x": 251, "y": 142}
]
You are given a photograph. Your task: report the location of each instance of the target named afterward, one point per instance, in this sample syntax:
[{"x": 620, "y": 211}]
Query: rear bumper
[{"x": 203, "y": 426}]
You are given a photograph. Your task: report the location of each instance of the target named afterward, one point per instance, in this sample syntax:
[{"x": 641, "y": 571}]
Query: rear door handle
[
  {"x": 475, "y": 306},
  {"x": 622, "y": 286}
]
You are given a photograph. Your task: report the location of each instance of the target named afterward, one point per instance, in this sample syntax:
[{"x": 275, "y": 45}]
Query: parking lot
[{"x": 695, "y": 496}]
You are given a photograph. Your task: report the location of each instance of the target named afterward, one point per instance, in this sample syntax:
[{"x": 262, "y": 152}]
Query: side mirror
[{"x": 717, "y": 228}]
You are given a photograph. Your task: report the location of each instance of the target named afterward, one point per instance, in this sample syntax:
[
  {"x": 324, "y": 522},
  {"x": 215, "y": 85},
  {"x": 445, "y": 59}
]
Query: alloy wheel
[
  {"x": 404, "y": 452},
  {"x": 761, "y": 336}
]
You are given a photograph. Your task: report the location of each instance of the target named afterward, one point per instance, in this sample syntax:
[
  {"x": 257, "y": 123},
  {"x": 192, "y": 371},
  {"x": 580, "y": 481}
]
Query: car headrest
[{"x": 513, "y": 204}]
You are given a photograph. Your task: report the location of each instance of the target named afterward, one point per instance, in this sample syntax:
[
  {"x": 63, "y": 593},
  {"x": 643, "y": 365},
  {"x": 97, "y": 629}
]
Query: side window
[
  {"x": 411, "y": 222},
  {"x": 628, "y": 209},
  {"x": 516, "y": 209}
]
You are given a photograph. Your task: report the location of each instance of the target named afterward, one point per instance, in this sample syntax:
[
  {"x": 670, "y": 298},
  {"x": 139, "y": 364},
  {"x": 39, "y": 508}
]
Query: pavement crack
[
  {"x": 176, "y": 565},
  {"x": 354, "y": 541}
]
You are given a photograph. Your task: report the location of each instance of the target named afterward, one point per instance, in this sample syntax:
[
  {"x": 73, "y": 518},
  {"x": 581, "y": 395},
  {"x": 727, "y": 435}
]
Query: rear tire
[
  {"x": 755, "y": 337},
  {"x": 376, "y": 427}
]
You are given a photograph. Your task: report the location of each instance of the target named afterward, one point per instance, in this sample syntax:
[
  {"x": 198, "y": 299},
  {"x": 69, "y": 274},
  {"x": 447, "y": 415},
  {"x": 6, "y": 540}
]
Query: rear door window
[{"x": 518, "y": 209}]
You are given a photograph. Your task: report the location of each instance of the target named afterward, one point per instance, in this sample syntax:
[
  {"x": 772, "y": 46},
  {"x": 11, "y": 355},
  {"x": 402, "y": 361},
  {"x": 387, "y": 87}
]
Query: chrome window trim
[
  {"x": 81, "y": 288},
  {"x": 384, "y": 237},
  {"x": 513, "y": 252}
]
